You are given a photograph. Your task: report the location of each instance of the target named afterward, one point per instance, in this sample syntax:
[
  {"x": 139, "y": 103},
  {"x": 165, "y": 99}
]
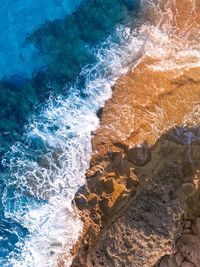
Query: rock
[
  {"x": 139, "y": 155},
  {"x": 172, "y": 262},
  {"x": 164, "y": 262},
  {"x": 179, "y": 258},
  {"x": 187, "y": 264},
  {"x": 188, "y": 189},
  {"x": 187, "y": 231},
  {"x": 93, "y": 178},
  {"x": 80, "y": 201},
  {"x": 196, "y": 227},
  {"x": 132, "y": 182},
  {"x": 187, "y": 224},
  {"x": 99, "y": 112},
  {"x": 168, "y": 261},
  {"x": 189, "y": 247},
  {"x": 107, "y": 185},
  {"x": 111, "y": 174},
  {"x": 92, "y": 201}
]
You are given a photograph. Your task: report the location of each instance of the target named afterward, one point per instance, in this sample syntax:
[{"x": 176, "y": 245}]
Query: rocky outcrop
[
  {"x": 138, "y": 211},
  {"x": 137, "y": 198}
]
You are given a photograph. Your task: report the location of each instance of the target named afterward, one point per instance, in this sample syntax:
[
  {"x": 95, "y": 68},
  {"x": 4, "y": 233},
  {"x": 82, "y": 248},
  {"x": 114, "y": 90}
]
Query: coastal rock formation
[
  {"x": 143, "y": 210},
  {"x": 141, "y": 200}
]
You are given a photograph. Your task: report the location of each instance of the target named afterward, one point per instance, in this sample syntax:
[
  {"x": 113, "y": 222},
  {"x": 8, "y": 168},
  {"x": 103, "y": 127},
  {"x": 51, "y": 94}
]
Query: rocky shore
[
  {"x": 141, "y": 211},
  {"x": 141, "y": 201}
]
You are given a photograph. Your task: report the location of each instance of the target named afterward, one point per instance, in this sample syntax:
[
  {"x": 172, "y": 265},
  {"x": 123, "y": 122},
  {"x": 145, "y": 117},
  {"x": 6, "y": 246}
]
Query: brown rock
[
  {"x": 179, "y": 258},
  {"x": 139, "y": 155},
  {"x": 189, "y": 247},
  {"x": 107, "y": 185},
  {"x": 164, "y": 262},
  {"x": 111, "y": 174},
  {"x": 81, "y": 201},
  {"x": 187, "y": 231},
  {"x": 196, "y": 227},
  {"x": 168, "y": 261},
  {"x": 92, "y": 201},
  {"x": 188, "y": 189},
  {"x": 187, "y": 224},
  {"x": 172, "y": 262},
  {"x": 187, "y": 264}
]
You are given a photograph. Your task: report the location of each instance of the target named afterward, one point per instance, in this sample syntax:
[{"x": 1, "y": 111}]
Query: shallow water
[{"x": 58, "y": 73}]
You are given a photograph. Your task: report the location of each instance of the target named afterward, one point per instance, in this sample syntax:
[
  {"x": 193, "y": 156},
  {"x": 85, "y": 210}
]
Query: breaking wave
[{"x": 48, "y": 167}]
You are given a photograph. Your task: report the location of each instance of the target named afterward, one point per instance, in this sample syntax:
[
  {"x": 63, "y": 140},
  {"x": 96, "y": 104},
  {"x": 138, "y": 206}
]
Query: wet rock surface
[{"x": 141, "y": 201}]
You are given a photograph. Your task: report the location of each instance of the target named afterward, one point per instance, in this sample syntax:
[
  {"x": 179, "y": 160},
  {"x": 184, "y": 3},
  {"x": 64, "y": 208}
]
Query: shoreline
[{"x": 124, "y": 139}]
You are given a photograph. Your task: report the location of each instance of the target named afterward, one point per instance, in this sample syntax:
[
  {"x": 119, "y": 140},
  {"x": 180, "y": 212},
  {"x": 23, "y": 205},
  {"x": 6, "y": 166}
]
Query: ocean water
[
  {"x": 17, "y": 20},
  {"x": 58, "y": 62}
]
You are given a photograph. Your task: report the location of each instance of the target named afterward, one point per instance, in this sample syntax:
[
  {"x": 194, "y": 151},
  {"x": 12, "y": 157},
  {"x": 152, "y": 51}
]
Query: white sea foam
[
  {"x": 174, "y": 47},
  {"x": 63, "y": 128}
]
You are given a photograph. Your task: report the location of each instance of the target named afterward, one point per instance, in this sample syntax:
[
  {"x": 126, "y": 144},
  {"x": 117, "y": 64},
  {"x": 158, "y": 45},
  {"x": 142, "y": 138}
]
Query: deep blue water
[{"x": 50, "y": 91}]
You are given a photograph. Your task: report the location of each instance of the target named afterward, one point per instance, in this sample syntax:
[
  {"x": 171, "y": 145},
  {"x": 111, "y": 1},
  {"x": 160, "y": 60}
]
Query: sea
[{"x": 59, "y": 60}]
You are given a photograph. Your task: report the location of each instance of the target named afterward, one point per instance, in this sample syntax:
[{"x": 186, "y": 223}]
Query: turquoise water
[
  {"x": 57, "y": 62},
  {"x": 18, "y": 18}
]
